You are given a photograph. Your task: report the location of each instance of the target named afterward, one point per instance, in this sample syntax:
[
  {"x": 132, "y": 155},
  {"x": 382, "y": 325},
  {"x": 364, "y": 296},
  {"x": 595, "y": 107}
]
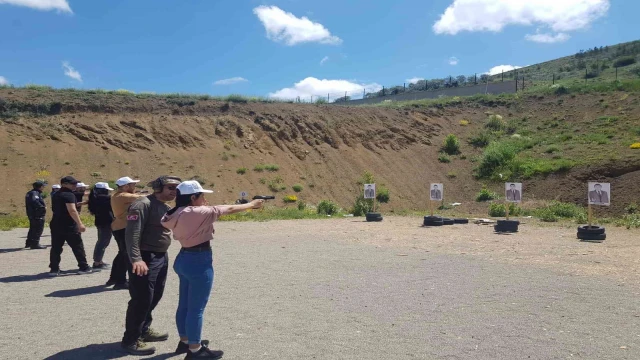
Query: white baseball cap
[
  {"x": 192, "y": 187},
  {"x": 56, "y": 186},
  {"x": 81, "y": 184},
  {"x": 102, "y": 185},
  {"x": 126, "y": 181}
]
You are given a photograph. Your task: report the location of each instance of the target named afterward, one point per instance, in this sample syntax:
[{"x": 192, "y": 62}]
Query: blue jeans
[{"x": 195, "y": 271}]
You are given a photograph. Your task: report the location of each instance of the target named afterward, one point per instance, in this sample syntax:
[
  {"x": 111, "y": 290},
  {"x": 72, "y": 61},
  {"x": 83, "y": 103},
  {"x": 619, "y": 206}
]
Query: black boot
[
  {"x": 27, "y": 244},
  {"x": 35, "y": 245}
]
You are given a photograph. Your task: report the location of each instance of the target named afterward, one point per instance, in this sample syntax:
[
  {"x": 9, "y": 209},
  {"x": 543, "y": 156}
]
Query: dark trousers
[
  {"x": 36, "y": 226},
  {"x": 121, "y": 261},
  {"x": 58, "y": 237},
  {"x": 146, "y": 292}
]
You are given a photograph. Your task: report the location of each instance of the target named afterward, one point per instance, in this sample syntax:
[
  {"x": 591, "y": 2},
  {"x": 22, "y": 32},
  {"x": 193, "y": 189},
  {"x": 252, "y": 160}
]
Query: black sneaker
[
  {"x": 154, "y": 336},
  {"x": 53, "y": 273},
  {"x": 84, "y": 271},
  {"x": 204, "y": 353},
  {"x": 184, "y": 348},
  {"x": 139, "y": 348},
  {"x": 122, "y": 286},
  {"x": 110, "y": 283},
  {"x": 100, "y": 267},
  {"x": 36, "y": 246}
]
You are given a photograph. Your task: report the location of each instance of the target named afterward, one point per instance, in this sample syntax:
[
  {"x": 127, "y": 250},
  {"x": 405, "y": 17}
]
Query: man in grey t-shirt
[{"x": 147, "y": 242}]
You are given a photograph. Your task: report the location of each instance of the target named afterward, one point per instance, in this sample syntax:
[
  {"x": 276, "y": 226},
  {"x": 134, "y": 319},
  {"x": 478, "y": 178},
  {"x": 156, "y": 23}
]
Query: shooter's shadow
[
  {"x": 78, "y": 292},
  {"x": 93, "y": 352},
  {"x": 35, "y": 277}
]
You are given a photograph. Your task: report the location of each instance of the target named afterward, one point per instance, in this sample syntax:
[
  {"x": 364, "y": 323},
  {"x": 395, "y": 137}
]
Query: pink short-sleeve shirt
[{"x": 193, "y": 225}]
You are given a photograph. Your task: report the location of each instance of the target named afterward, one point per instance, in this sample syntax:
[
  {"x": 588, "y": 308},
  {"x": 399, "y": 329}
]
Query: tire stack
[
  {"x": 371, "y": 216},
  {"x": 447, "y": 221},
  {"x": 507, "y": 226},
  {"x": 461, "y": 221},
  {"x": 591, "y": 233},
  {"x": 433, "y": 221}
]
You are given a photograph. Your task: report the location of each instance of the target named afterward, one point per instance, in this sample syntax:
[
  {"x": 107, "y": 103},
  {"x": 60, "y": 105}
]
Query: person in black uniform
[
  {"x": 36, "y": 211},
  {"x": 66, "y": 226}
]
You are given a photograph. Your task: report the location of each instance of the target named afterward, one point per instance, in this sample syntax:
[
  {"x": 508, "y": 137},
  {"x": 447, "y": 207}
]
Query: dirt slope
[{"x": 100, "y": 137}]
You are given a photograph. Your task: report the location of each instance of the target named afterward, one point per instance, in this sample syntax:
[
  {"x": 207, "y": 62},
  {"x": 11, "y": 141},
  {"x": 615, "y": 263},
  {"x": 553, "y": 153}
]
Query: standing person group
[{"x": 142, "y": 227}]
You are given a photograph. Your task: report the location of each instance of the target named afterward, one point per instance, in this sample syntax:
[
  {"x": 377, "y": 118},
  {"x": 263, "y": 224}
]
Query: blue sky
[{"x": 277, "y": 47}]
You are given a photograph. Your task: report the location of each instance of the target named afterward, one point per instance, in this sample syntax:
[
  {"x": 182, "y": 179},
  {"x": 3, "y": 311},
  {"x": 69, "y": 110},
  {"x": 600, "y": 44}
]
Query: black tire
[
  {"x": 433, "y": 218},
  {"x": 448, "y": 221},
  {"x": 461, "y": 221},
  {"x": 591, "y": 237},
  {"x": 506, "y": 228},
  {"x": 433, "y": 223},
  {"x": 594, "y": 229},
  {"x": 508, "y": 223},
  {"x": 373, "y": 216}
]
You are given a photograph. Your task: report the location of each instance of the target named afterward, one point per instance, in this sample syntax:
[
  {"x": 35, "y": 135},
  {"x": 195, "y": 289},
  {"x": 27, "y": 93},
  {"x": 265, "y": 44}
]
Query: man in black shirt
[
  {"x": 36, "y": 211},
  {"x": 66, "y": 226}
]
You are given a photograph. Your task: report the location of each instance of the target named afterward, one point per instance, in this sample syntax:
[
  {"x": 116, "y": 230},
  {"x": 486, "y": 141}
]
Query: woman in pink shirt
[{"x": 191, "y": 221}]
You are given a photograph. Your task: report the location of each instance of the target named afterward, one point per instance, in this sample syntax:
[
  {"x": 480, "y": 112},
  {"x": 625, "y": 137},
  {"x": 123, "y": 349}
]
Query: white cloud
[
  {"x": 453, "y": 60},
  {"x": 500, "y": 68},
  {"x": 71, "y": 72},
  {"x": 324, "y": 60},
  {"x": 231, "y": 81},
  {"x": 414, "y": 80},
  {"x": 287, "y": 28},
  {"x": 4, "y": 81},
  {"x": 494, "y": 15},
  {"x": 43, "y": 5},
  {"x": 316, "y": 87},
  {"x": 548, "y": 38}
]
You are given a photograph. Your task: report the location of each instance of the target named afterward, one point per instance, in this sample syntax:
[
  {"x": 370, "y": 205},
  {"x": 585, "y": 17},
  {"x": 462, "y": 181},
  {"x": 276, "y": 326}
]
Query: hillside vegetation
[{"x": 554, "y": 138}]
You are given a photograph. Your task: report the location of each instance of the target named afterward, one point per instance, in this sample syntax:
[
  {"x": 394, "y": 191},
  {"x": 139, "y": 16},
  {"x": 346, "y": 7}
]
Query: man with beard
[{"x": 147, "y": 242}]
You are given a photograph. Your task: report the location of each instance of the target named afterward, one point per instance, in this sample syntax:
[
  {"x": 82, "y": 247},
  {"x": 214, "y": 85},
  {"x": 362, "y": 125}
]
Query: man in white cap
[
  {"x": 80, "y": 192},
  {"x": 120, "y": 202},
  {"x": 54, "y": 189}
]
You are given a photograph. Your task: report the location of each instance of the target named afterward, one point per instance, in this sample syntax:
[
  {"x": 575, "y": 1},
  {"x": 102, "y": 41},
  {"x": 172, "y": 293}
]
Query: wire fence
[{"x": 580, "y": 68}]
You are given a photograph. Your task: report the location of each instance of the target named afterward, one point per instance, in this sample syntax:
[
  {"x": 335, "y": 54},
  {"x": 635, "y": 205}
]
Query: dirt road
[{"x": 344, "y": 289}]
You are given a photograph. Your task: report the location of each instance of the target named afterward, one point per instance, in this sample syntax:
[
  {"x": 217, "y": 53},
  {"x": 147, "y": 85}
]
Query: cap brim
[{"x": 207, "y": 191}]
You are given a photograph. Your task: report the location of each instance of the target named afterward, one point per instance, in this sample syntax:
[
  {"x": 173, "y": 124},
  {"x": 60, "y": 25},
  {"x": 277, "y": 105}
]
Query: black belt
[{"x": 196, "y": 249}]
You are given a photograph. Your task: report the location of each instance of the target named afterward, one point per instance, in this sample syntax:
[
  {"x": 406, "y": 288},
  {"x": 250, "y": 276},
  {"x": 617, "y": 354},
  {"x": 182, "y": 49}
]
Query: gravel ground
[{"x": 345, "y": 289}]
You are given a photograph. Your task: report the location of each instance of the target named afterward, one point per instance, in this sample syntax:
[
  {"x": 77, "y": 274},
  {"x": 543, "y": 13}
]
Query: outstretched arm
[{"x": 232, "y": 209}]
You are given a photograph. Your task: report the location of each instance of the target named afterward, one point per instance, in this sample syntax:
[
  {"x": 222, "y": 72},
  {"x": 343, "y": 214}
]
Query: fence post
[
  {"x": 404, "y": 87},
  {"x": 345, "y": 96},
  {"x": 364, "y": 93},
  {"x": 516, "y": 84},
  {"x": 616, "y": 73},
  {"x": 383, "y": 91},
  {"x": 502, "y": 75},
  {"x": 312, "y": 99},
  {"x": 553, "y": 82},
  {"x": 328, "y": 97},
  {"x": 450, "y": 80},
  {"x": 475, "y": 79},
  {"x": 585, "y": 74},
  {"x": 523, "y": 82},
  {"x": 426, "y": 83}
]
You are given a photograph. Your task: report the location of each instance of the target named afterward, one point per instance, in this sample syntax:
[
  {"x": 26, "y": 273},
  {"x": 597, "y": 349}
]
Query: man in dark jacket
[
  {"x": 36, "y": 211},
  {"x": 147, "y": 242}
]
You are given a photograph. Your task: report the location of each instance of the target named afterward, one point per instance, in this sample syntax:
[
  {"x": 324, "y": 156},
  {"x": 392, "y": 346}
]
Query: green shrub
[
  {"x": 547, "y": 215},
  {"x": 496, "y": 123},
  {"x": 486, "y": 195},
  {"x": 552, "y": 149},
  {"x": 241, "y": 171},
  {"x": 451, "y": 145},
  {"x": 362, "y": 206},
  {"x": 629, "y": 221},
  {"x": 262, "y": 181},
  {"x": 499, "y": 210},
  {"x": 297, "y": 187},
  {"x": 561, "y": 90},
  {"x": 444, "y": 159},
  {"x": 237, "y": 99},
  {"x": 496, "y": 156},
  {"x": 276, "y": 184},
  {"x": 272, "y": 167},
  {"x": 624, "y": 61},
  {"x": 452, "y": 175},
  {"x": 301, "y": 206},
  {"x": 382, "y": 195},
  {"x": 259, "y": 168},
  {"x": 321, "y": 100},
  {"x": 632, "y": 208},
  {"x": 326, "y": 207},
  {"x": 481, "y": 140}
]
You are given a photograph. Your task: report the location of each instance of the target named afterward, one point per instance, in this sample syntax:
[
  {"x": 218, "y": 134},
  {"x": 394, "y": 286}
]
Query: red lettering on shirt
[{"x": 132, "y": 217}]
